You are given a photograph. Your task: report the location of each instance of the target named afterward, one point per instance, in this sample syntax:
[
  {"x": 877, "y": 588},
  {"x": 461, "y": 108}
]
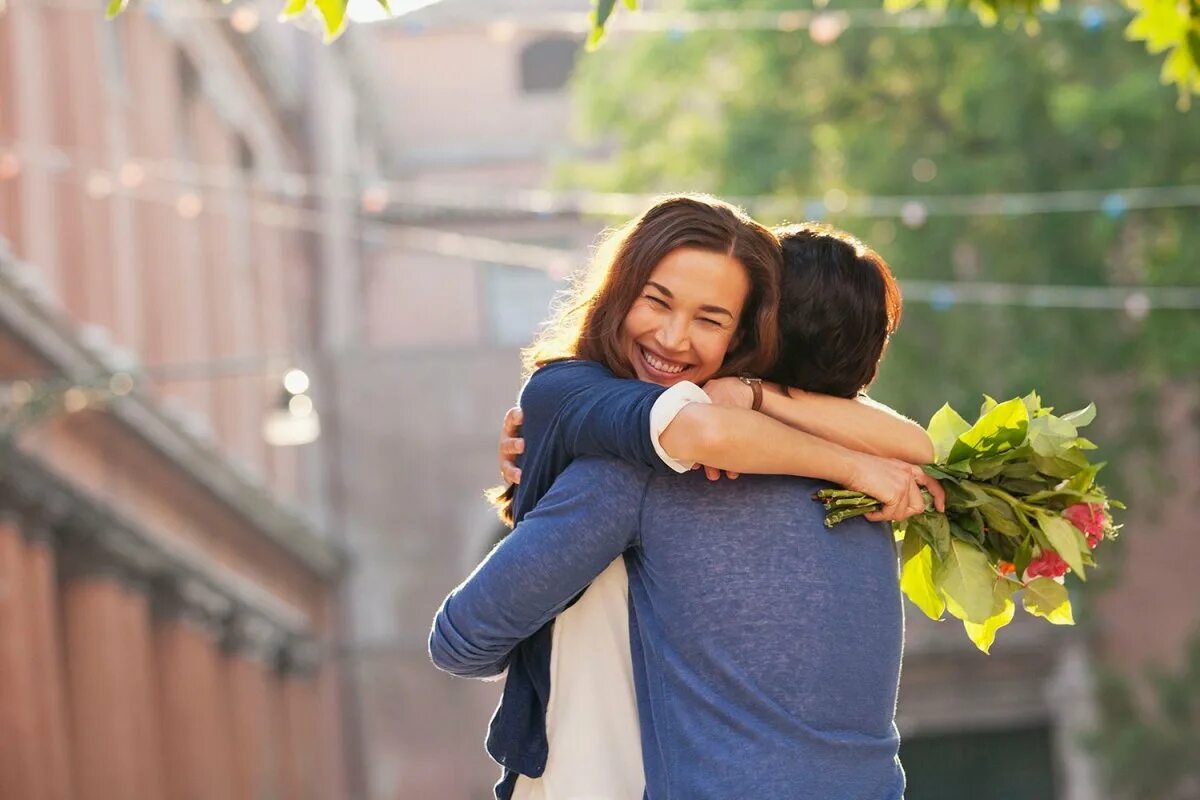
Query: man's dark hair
[{"x": 839, "y": 304}]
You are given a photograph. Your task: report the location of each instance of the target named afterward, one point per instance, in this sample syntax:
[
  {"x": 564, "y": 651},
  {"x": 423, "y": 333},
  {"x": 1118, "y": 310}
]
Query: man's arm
[{"x": 587, "y": 519}]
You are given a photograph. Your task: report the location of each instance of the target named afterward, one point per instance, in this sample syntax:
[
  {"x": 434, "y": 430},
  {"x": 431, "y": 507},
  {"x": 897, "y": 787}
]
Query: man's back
[{"x": 766, "y": 647}]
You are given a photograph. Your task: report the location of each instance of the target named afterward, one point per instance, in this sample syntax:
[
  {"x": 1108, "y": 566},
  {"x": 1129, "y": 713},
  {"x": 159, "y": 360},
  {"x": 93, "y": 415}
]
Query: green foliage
[
  {"x": 1171, "y": 26},
  {"x": 763, "y": 113},
  {"x": 1022, "y": 507},
  {"x": 1149, "y": 744}
]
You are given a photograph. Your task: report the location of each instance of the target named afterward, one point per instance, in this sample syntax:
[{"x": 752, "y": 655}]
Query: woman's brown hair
[{"x": 588, "y": 324}]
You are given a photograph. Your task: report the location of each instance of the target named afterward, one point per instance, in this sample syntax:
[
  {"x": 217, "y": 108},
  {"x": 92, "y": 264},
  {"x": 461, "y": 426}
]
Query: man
[{"x": 766, "y": 649}]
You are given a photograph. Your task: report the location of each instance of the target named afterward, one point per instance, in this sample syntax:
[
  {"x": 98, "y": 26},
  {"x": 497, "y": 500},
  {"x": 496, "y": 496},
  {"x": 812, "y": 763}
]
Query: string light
[
  {"x": 558, "y": 263},
  {"x": 836, "y": 201},
  {"x": 131, "y": 174},
  {"x": 479, "y": 198},
  {"x": 296, "y": 381},
  {"x": 10, "y": 165},
  {"x": 374, "y": 199},
  {"x": 914, "y": 213},
  {"x": 827, "y": 27},
  {"x": 189, "y": 205},
  {"x": 99, "y": 184},
  {"x": 924, "y": 170},
  {"x": 244, "y": 19}
]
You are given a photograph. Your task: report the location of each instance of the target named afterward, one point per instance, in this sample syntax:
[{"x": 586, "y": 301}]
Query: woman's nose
[{"x": 673, "y": 335}]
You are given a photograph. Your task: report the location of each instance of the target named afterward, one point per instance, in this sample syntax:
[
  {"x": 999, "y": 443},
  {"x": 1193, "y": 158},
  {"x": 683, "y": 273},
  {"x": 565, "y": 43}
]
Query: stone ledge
[{"x": 48, "y": 333}]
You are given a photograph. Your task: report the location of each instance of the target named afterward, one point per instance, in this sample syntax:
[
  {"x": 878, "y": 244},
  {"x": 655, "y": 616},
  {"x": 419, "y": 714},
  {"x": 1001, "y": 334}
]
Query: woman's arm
[
  {"x": 584, "y": 410},
  {"x": 744, "y": 441},
  {"x": 860, "y": 424}
]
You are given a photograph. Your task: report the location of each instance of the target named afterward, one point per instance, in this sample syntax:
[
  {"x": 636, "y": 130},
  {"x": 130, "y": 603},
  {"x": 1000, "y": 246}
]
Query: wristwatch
[{"x": 755, "y": 385}]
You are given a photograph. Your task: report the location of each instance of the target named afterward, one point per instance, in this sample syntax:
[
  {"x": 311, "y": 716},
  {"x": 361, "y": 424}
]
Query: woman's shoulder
[{"x": 563, "y": 376}]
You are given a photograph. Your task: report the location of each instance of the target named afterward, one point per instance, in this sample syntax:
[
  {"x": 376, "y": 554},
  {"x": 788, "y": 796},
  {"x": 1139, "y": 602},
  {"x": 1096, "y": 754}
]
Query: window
[
  {"x": 984, "y": 765},
  {"x": 546, "y": 64}
]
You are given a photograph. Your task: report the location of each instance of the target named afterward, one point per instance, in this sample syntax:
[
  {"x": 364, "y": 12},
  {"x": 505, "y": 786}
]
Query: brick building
[{"x": 170, "y": 584}]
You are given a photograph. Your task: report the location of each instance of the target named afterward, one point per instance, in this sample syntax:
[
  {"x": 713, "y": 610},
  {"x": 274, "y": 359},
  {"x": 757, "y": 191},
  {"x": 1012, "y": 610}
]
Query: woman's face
[{"x": 686, "y": 318}]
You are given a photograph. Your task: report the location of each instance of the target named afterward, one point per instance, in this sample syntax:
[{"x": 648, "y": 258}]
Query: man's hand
[
  {"x": 897, "y": 485},
  {"x": 511, "y": 445}
]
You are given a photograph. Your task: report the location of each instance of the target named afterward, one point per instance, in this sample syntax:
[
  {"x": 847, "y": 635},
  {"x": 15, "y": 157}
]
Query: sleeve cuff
[{"x": 663, "y": 413}]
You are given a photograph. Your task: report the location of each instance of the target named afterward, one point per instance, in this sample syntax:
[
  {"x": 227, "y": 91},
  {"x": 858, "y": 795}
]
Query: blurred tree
[
  {"x": 1170, "y": 26},
  {"x": 938, "y": 112}
]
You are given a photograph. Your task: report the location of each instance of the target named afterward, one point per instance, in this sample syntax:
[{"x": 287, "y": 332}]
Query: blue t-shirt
[{"x": 766, "y": 648}]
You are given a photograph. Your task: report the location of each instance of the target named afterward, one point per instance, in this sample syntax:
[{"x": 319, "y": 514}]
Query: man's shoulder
[{"x": 604, "y": 473}]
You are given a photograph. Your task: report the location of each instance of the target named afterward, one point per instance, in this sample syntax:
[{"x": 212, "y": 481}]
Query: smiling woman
[
  {"x": 687, "y": 317},
  {"x": 691, "y": 274}
]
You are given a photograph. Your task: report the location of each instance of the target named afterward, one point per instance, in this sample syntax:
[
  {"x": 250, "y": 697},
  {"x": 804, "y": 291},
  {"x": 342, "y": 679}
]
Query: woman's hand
[
  {"x": 511, "y": 445},
  {"x": 729, "y": 392},
  {"x": 896, "y": 484}
]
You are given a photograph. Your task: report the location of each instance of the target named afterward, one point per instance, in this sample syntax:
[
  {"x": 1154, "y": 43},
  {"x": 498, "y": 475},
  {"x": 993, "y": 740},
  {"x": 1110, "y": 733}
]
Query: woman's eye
[
  {"x": 712, "y": 322},
  {"x": 656, "y": 300}
]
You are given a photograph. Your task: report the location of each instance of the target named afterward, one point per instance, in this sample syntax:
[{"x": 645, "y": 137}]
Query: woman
[{"x": 685, "y": 294}]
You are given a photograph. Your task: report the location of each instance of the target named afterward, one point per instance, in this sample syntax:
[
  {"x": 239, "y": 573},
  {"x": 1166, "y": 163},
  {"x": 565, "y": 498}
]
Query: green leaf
[
  {"x": 944, "y": 429},
  {"x": 1081, "y": 418},
  {"x": 1066, "y": 464},
  {"x": 934, "y": 529},
  {"x": 967, "y": 526},
  {"x": 1023, "y": 555},
  {"x": 601, "y": 11},
  {"x": 965, "y": 579},
  {"x": 988, "y": 404},
  {"x": 916, "y": 575},
  {"x": 1003, "y": 609},
  {"x": 333, "y": 14},
  {"x": 1002, "y": 428},
  {"x": 1062, "y": 537},
  {"x": 1033, "y": 403},
  {"x": 1047, "y": 598},
  {"x": 1001, "y": 517},
  {"x": 293, "y": 9},
  {"x": 1051, "y": 436},
  {"x": 115, "y": 7}
]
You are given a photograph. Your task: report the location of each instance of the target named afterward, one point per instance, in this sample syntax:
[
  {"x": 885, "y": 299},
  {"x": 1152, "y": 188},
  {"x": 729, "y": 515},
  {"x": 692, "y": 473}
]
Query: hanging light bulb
[
  {"x": 132, "y": 174},
  {"x": 10, "y": 165},
  {"x": 189, "y": 205},
  {"x": 244, "y": 19},
  {"x": 374, "y": 199},
  {"x": 293, "y": 420}
]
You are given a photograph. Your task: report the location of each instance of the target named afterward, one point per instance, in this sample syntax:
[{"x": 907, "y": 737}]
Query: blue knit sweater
[{"x": 766, "y": 648}]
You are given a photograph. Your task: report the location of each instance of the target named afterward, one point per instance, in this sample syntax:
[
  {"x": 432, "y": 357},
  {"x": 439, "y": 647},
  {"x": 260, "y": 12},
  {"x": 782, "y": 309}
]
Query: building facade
[{"x": 171, "y": 617}]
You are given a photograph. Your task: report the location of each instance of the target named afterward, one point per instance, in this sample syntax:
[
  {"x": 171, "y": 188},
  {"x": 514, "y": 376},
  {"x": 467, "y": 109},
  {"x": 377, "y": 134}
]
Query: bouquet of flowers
[{"x": 1022, "y": 509}]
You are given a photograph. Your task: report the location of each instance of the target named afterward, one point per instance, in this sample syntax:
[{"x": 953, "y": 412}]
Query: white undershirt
[{"x": 591, "y": 718}]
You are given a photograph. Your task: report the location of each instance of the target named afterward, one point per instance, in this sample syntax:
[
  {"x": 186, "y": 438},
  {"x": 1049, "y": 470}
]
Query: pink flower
[
  {"x": 1048, "y": 564},
  {"x": 1088, "y": 518}
]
